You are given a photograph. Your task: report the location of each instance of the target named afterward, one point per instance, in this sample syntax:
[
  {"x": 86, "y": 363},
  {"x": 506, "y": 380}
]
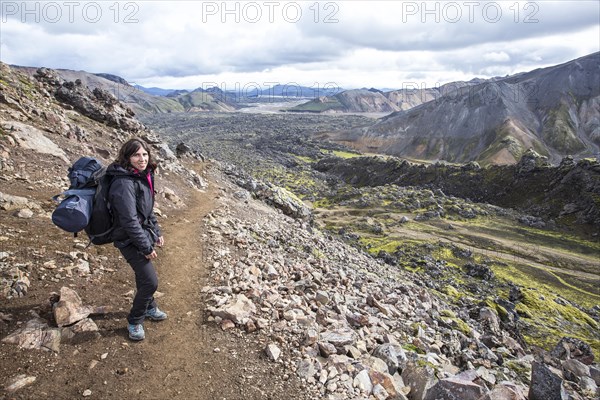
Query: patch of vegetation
[
  {"x": 376, "y": 245},
  {"x": 342, "y": 154},
  {"x": 305, "y": 159},
  {"x": 560, "y": 132}
]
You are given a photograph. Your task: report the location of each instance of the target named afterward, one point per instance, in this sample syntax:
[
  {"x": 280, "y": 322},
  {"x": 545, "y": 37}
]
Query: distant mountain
[
  {"x": 212, "y": 99},
  {"x": 289, "y": 91},
  {"x": 375, "y": 100},
  {"x": 555, "y": 111},
  {"x": 155, "y": 91}
]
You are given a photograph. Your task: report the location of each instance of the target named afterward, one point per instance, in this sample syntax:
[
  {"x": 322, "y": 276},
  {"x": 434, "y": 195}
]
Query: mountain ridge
[
  {"x": 138, "y": 100},
  {"x": 553, "y": 110}
]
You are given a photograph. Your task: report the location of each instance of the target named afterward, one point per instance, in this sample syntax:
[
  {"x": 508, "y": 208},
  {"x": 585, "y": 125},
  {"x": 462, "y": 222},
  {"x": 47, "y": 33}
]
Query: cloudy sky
[{"x": 349, "y": 44}]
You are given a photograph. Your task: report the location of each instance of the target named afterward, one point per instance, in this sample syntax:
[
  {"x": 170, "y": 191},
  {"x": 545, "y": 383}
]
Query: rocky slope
[
  {"x": 555, "y": 111},
  {"x": 142, "y": 102},
  {"x": 354, "y": 328}
]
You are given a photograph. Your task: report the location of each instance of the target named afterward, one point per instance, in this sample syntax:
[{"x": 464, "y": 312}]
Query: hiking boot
[
  {"x": 136, "y": 331},
  {"x": 155, "y": 314}
]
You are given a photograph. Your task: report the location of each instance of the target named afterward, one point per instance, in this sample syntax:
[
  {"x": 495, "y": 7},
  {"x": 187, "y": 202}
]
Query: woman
[{"x": 131, "y": 198}]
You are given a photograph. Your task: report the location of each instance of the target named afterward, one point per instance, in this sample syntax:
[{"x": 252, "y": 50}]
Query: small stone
[
  {"x": 326, "y": 349},
  {"x": 237, "y": 310},
  {"x": 103, "y": 356},
  {"x": 272, "y": 351},
  {"x": 19, "y": 382},
  {"x": 322, "y": 297},
  {"x": 311, "y": 337},
  {"x": 251, "y": 326},
  {"x": 227, "y": 324},
  {"x": 87, "y": 393},
  {"x": 25, "y": 213},
  {"x": 305, "y": 369}
]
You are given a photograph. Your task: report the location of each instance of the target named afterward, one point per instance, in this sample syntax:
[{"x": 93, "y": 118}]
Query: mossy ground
[{"x": 546, "y": 264}]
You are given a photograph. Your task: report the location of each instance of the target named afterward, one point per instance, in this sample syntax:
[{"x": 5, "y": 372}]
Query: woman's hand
[
  {"x": 152, "y": 255},
  {"x": 160, "y": 241}
]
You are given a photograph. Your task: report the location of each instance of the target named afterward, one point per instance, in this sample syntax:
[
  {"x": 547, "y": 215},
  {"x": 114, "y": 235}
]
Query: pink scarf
[{"x": 149, "y": 178}]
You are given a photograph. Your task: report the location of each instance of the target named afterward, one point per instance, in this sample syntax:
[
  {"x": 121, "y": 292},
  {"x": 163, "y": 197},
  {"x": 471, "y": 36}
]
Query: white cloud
[
  {"x": 496, "y": 56},
  {"x": 355, "y": 44}
]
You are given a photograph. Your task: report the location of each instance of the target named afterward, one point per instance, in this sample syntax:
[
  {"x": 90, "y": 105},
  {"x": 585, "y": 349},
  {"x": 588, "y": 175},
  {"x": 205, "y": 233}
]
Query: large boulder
[
  {"x": 70, "y": 309},
  {"x": 546, "y": 383},
  {"x": 420, "y": 378},
  {"x": 36, "y": 334},
  {"x": 454, "y": 388}
]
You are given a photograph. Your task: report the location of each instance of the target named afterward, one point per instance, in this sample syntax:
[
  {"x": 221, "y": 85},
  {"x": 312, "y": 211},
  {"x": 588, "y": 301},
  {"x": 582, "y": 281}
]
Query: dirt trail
[
  {"x": 178, "y": 359},
  {"x": 174, "y": 348}
]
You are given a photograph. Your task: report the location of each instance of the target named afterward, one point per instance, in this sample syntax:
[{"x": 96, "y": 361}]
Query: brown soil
[{"x": 184, "y": 357}]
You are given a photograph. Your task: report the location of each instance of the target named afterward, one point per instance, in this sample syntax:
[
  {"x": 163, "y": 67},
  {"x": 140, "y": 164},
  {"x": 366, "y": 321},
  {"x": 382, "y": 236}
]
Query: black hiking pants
[{"x": 146, "y": 283}]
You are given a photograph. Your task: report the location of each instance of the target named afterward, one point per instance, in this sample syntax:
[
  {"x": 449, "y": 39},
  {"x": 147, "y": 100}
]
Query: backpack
[{"x": 85, "y": 204}]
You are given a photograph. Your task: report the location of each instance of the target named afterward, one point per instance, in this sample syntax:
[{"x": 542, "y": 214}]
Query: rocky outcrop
[
  {"x": 29, "y": 137},
  {"x": 96, "y": 104},
  {"x": 275, "y": 196}
]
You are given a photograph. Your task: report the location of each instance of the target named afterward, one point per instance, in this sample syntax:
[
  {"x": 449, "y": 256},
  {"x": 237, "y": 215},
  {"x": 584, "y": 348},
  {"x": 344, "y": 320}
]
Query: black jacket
[{"x": 132, "y": 201}]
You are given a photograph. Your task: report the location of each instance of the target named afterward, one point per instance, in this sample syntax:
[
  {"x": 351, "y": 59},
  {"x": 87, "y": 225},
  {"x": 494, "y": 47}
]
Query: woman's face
[{"x": 139, "y": 159}]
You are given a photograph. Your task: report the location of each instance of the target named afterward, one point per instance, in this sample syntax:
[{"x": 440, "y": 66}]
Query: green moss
[
  {"x": 305, "y": 159},
  {"x": 345, "y": 154},
  {"x": 522, "y": 369},
  {"x": 375, "y": 245},
  {"x": 322, "y": 203},
  {"x": 500, "y": 311},
  {"x": 538, "y": 304},
  {"x": 416, "y": 325},
  {"x": 452, "y": 292},
  {"x": 413, "y": 348},
  {"x": 448, "y": 313},
  {"x": 318, "y": 254},
  {"x": 423, "y": 364},
  {"x": 459, "y": 324},
  {"x": 523, "y": 311},
  {"x": 463, "y": 326}
]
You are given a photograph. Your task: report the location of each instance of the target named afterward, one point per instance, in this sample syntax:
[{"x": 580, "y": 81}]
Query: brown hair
[{"x": 129, "y": 148}]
